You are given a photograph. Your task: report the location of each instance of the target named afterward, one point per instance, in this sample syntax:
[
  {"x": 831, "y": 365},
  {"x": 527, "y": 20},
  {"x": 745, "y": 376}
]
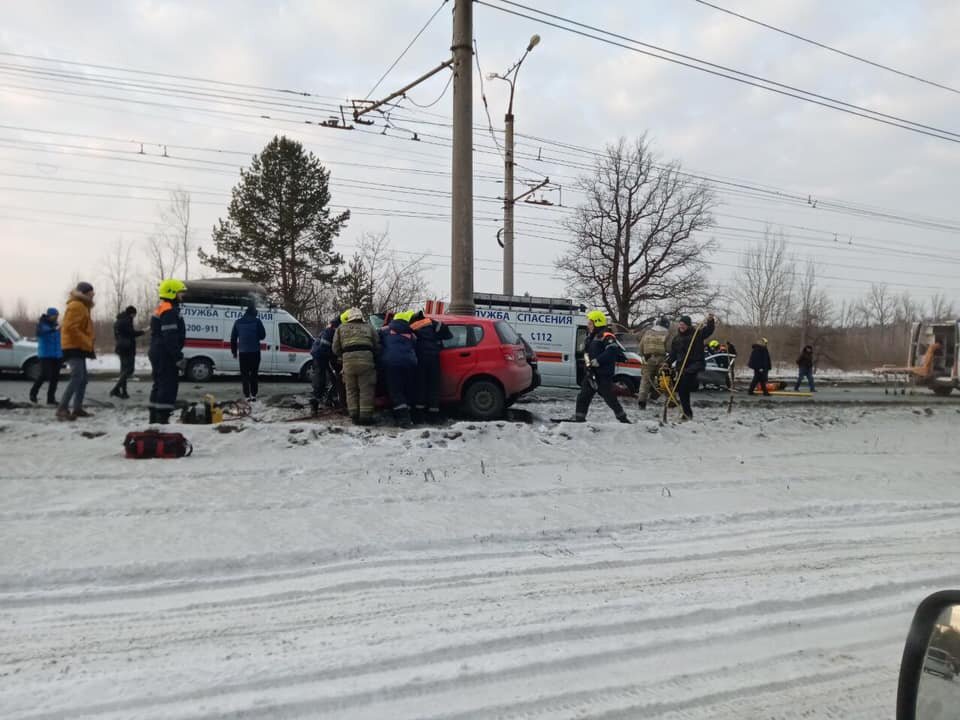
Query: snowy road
[{"x": 756, "y": 567}]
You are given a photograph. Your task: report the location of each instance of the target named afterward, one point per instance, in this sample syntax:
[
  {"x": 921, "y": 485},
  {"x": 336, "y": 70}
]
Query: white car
[
  {"x": 17, "y": 353},
  {"x": 939, "y": 662}
]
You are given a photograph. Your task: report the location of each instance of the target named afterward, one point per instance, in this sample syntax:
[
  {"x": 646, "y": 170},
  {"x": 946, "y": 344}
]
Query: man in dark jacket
[
  {"x": 430, "y": 336},
  {"x": 248, "y": 331},
  {"x": 50, "y": 354},
  {"x": 322, "y": 354},
  {"x": 167, "y": 336},
  {"x": 399, "y": 359},
  {"x": 602, "y": 354},
  {"x": 761, "y": 365},
  {"x": 805, "y": 368},
  {"x": 125, "y": 336},
  {"x": 688, "y": 358}
]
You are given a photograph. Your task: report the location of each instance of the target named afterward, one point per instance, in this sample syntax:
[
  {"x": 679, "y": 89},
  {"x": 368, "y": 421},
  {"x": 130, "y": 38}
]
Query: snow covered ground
[{"x": 759, "y": 565}]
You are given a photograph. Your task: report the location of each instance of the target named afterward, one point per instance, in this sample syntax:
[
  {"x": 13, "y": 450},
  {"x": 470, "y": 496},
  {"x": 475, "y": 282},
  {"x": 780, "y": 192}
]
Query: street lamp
[{"x": 510, "y": 77}]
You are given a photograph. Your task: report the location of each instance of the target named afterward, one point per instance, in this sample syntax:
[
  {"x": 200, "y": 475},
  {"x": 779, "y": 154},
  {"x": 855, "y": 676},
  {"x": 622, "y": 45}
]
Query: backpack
[{"x": 155, "y": 444}]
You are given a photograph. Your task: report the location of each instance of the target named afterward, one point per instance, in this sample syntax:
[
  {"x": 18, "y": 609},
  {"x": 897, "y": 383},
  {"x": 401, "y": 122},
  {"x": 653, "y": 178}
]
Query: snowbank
[{"x": 735, "y": 567}]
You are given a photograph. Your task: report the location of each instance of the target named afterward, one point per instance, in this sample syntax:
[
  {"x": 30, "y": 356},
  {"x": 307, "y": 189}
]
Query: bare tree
[
  {"x": 377, "y": 279},
  {"x": 879, "y": 307},
  {"x": 941, "y": 308},
  {"x": 814, "y": 307},
  {"x": 763, "y": 286},
  {"x": 118, "y": 268},
  {"x": 21, "y": 313},
  {"x": 635, "y": 246},
  {"x": 908, "y": 310},
  {"x": 171, "y": 245}
]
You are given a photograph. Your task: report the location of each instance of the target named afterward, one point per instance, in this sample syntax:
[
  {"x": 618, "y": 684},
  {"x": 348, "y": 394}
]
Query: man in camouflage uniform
[
  {"x": 653, "y": 347},
  {"x": 358, "y": 346}
]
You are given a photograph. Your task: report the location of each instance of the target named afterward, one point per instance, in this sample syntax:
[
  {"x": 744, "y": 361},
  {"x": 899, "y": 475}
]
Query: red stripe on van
[{"x": 549, "y": 356}]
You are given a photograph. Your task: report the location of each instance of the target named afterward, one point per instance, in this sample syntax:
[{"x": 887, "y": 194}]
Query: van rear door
[{"x": 294, "y": 347}]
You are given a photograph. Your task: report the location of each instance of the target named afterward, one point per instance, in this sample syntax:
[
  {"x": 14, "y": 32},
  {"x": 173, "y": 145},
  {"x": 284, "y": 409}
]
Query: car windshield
[{"x": 10, "y": 332}]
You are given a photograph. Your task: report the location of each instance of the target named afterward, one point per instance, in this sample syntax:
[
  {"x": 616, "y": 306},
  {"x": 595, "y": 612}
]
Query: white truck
[
  {"x": 17, "y": 353},
  {"x": 209, "y": 309},
  {"x": 556, "y": 329}
]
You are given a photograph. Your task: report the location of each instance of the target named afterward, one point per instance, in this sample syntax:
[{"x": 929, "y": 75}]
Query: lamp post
[{"x": 510, "y": 76}]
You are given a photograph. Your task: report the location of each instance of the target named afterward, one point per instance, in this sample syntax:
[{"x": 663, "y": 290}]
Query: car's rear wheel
[
  {"x": 199, "y": 370},
  {"x": 306, "y": 372},
  {"x": 484, "y": 400},
  {"x": 32, "y": 370},
  {"x": 942, "y": 391}
]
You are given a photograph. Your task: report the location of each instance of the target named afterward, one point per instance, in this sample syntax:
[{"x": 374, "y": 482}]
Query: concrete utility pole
[
  {"x": 461, "y": 215},
  {"x": 508, "y": 200}
]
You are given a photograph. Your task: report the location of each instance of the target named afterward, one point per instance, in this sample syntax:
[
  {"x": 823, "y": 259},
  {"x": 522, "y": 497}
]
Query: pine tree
[{"x": 279, "y": 231}]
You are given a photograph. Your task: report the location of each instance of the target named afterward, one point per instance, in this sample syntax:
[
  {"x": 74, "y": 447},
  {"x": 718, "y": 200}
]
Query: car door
[
  {"x": 7, "y": 358},
  {"x": 458, "y": 359},
  {"x": 294, "y": 346}
]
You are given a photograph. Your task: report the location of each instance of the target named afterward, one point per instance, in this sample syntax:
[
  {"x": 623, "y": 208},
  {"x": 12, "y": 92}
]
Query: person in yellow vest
[
  {"x": 653, "y": 347},
  {"x": 76, "y": 340},
  {"x": 167, "y": 336},
  {"x": 358, "y": 345}
]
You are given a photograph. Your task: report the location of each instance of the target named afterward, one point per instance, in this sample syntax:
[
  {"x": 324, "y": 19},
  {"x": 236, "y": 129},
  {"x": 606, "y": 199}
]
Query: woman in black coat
[{"x": 761, "y": 365}]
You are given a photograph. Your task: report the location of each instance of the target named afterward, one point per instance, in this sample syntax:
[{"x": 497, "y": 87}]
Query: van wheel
[
  {"x": 306, "y": 372},
  {"x": 625, "y": 385},
  {"x": 484, "y": 400},
  {"x": 942, "y": 391},
  {"x": 199, "y": 370},
  {"x": 32, "y": 370}
]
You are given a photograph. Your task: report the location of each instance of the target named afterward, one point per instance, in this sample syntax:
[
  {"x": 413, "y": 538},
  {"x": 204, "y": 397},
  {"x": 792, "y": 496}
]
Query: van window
[
  {"x": 463, "y": 336},
  {"x": 293, "y": 335},
  {"x": 507, "y": 334}
]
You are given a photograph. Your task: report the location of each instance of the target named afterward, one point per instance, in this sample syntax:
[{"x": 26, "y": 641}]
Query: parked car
[
  {"x": 939, "y": 662},
  {"x": 484, "y": 366},
  {"x": 17, "y": 353},
  {"x": 717, "y": 372}
]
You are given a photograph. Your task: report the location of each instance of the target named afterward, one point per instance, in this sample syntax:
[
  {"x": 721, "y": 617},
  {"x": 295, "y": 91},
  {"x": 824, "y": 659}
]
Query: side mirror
[{"x": 929, "y": 687}]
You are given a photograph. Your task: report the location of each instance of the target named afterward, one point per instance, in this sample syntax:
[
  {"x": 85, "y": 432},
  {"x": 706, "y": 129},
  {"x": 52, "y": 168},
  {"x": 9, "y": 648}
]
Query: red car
[{"x": 484, "y": 367}]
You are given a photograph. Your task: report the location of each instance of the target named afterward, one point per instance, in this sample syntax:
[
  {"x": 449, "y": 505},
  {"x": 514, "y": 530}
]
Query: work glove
[{"x": 594, "y": 363}]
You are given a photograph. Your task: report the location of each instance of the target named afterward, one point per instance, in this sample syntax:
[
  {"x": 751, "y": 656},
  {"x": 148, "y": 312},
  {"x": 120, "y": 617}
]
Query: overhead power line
[
  {"x": 723, "y": 71},
  {"x": 832, "y": 49},
  {"x": 404, "y": 52}
]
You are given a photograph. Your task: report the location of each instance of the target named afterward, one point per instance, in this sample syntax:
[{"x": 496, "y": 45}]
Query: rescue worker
[
  {"x": 77, "y": 341},
  {"x": 430, "y": 336},
  {"x": 167, "y": 336},
  {"x": 805, "y": 368},
  {"x": 248, "y": 331},
  {"x": 125, "y": 338},
  {"x": 322, "y": 354},
  {"x": 688, "y": 357},
  {"x": 602, "y": 354},
  {"x": 713, "y": 347},
  {"x": 653, "y": 347},
  {"x": 357, "y": 345},
  {"x": 400, "y": 365},
  {"x": 50, "y": 354},
  {"x": 761, "y": 365}
]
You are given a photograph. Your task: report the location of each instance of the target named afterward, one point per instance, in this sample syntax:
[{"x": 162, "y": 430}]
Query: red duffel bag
[{"x": 156, "y": 444}]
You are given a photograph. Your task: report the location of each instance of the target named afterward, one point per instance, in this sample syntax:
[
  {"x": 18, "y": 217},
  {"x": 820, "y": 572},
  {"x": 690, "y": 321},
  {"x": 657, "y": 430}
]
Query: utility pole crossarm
[
  {"x": 532, "y": 190},
  {"x": 359, "y": 112}
]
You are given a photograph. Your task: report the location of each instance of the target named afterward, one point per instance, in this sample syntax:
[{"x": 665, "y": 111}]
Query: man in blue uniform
[
  {"x": 167, "y": 336},
  {"x": 602, "y": 353}
]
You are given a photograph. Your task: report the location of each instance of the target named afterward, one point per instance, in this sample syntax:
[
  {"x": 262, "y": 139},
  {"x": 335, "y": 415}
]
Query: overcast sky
[{"x": 571, "y": 89}]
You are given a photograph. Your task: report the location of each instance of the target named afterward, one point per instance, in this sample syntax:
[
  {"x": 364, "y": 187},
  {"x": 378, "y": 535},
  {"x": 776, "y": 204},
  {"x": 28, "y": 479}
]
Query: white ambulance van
[
  {"x": 556, "y": 329},
  {"x": 209, "y": 309}
]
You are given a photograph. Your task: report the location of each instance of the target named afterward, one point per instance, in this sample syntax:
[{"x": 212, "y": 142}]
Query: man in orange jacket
[{"x": 76, "y": 339}]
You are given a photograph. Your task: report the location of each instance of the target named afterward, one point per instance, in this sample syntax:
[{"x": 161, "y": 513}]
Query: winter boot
[
  {"x": 624, "y": 419},
  {"x": 116, "y": 393},
  {"x": 314, "y": 407},
  {"x": 642, "y": 404},
  {"x": 64, "y": 415},
  {"x": 81, "y": 413},
  {"x": 162, "y": 417},
  {"x": 355, "y": 418},
  {"x": 33, "y": 398}
]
